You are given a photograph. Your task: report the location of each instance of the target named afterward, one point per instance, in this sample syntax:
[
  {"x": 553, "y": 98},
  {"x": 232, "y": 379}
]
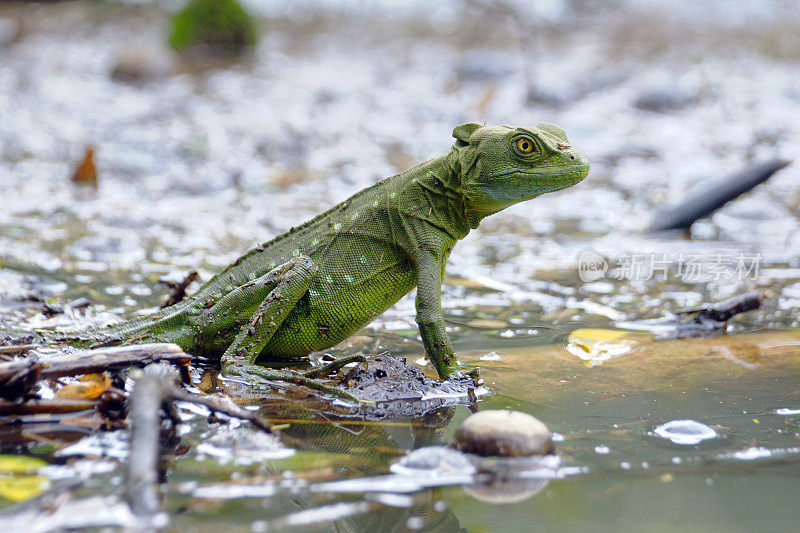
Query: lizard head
[{"x": 501, "y": 166}]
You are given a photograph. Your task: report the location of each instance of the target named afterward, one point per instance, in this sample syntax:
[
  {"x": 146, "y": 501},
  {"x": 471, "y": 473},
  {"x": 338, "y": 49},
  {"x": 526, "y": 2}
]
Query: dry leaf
[
  {"x": 88, "y": 387},
  {"x": 86, "y": 172}
]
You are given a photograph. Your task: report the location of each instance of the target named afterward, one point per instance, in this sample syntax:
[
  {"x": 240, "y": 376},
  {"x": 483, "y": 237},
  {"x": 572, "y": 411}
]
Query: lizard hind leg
[{"x": 287, "y": 283}]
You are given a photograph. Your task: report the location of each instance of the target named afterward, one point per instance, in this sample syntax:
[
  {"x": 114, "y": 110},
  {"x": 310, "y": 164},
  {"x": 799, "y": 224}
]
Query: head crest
[{"x": 462, "y": 133}]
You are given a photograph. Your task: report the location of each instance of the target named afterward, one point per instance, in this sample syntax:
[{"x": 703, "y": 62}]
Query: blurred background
[{"x": 142, "y": 139}]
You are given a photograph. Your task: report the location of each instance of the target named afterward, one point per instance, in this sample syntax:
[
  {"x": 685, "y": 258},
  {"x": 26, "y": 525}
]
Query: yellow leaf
[
  {"x": 19, "y": 464},
  {"x": 598, "y": 345},
  {"x": 88, "y": 387},
  {"x": 599, "y": 334},
  {"x": 21, "y": 488}
]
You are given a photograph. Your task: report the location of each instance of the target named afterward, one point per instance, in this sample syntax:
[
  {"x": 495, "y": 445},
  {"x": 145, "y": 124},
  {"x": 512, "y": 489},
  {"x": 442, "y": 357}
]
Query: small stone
[
  {"x": 141, "y": 62},
  {"x": 503, "y": 433}
]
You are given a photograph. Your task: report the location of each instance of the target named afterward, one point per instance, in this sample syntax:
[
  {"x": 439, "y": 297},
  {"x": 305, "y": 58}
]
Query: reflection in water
[
  {"x": 494, "y": 479},
  {"x": 507, "y": 491},
  {"x": 422, "y": 473},
  {"x": 433, "y": 461}
]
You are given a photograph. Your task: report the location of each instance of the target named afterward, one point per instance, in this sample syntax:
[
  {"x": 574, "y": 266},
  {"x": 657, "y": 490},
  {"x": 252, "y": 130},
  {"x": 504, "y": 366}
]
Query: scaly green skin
[{"x": 316, "y": 285}]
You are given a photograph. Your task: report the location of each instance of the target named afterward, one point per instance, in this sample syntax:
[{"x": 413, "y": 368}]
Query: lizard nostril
[{"x": 572, "y": 157}]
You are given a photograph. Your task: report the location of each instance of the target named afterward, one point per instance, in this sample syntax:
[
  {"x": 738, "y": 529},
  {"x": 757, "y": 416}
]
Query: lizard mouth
[
  {"x": 565, "y": 178},
  {"x": 521, "y": 184}
]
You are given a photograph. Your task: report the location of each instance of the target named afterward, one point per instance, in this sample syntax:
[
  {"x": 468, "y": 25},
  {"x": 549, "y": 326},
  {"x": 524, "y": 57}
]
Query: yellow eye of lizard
[{"x": 525, "y": 146}]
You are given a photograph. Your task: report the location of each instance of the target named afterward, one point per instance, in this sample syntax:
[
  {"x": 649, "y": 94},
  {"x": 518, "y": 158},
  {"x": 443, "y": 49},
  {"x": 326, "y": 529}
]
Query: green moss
[{"x": 221, "y": 25}]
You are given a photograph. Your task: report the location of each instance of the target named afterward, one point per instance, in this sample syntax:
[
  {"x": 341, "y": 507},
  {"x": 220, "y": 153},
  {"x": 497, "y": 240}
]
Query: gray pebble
[
  {"x": 503, "y": 433},
  {"x": 141, "y": 62}
]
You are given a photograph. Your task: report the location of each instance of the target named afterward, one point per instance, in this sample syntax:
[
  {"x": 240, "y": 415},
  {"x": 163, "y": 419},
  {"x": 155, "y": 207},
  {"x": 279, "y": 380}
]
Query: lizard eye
[{"x": 525, "y": 146}]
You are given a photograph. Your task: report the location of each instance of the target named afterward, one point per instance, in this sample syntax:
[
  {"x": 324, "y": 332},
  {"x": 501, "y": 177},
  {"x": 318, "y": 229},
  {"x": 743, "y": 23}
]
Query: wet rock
[
  {"x": 393, "y": 388},
  {"x": 484, "y": 65},
  {"x": 136, "y": 63},
  {"x": 503, "y": 433},
  {"x": 664, "y": 98}
]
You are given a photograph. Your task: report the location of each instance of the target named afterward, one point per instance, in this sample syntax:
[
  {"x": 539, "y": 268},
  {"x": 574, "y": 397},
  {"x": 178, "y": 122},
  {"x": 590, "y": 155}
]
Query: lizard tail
[{"x": 16, "y": 336}]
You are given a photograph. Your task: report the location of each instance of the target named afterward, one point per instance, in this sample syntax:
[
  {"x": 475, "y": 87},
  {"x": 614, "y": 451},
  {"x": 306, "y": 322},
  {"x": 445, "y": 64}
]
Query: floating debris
[
  {"x": 705, "y": 320},
  {"x": 685, "y": 432},
  {"x": 19, "y": 478}
]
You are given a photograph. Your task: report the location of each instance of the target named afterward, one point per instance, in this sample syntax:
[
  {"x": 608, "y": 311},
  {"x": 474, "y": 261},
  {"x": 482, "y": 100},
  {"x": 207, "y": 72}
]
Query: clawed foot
[{"x": 259, "y": 374}]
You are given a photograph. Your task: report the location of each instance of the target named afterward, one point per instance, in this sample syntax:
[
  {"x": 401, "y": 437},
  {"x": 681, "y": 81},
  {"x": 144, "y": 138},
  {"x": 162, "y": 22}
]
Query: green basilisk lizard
[{"x": 316, "y": 285}]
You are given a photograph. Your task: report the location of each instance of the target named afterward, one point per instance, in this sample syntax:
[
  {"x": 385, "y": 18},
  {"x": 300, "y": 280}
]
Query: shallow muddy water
[{"x": 197, "y": 166}]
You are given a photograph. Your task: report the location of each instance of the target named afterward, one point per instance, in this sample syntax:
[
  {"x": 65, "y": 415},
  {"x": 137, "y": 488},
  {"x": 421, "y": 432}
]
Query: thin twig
[
  {"x": 179, "y": 289},
  {"x": 726, "y": 309},
  {"x": 56, "y": 406},
  {"x": 16, "y": 349},
  {"x": 221, "y": 404}
]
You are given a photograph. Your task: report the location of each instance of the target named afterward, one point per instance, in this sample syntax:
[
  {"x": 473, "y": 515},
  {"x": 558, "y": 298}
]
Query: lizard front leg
[{"x": 429, "y": 317}]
